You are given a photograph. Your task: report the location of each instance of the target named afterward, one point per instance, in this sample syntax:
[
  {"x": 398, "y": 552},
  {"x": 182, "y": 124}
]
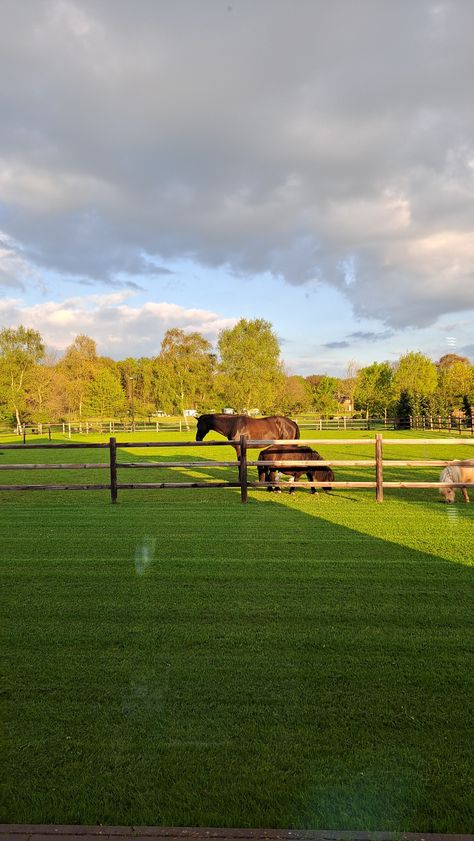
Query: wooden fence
[
  {"x": 31, "y": 431},
  {"x": 112, "y": 427},
  {"x": 113, "y": 466}
]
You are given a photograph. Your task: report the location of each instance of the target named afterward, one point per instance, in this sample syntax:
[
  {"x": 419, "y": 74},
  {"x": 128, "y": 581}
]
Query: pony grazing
[
  {"x": 233, "y": 426},
  {"x": 457, "y": 474},
  {"x": 292, "y": 452}
]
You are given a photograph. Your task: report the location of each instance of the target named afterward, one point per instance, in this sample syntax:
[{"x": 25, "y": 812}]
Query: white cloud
[{"x": 119, "y": 329}]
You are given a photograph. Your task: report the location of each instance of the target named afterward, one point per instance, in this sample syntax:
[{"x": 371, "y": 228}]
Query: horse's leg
[
  {"x": 237, "y": 452},
  {"x": 465, "y": 494},
  {"x": 271, "y": 478},
  {"x": 312, "y": 478},
  {"x": 293, "y": 478}
]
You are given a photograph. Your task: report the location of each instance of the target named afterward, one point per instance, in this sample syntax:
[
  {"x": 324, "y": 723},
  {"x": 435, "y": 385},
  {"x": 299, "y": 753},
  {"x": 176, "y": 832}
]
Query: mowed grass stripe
[{"x": 295, "y": 662}]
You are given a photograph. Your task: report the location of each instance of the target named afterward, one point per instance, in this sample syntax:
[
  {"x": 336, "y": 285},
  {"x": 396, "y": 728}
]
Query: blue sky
[{"x": 175, "y": 164}]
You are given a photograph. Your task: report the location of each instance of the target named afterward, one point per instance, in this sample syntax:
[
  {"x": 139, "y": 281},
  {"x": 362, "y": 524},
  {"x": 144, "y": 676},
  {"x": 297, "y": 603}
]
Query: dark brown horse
[
  {"x": 259, "y": 429},
  {"x": 292, "y": 452}
]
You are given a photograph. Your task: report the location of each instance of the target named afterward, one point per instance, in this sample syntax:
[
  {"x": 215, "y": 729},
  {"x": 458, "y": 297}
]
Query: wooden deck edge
[{"x": 19, "y": 832}]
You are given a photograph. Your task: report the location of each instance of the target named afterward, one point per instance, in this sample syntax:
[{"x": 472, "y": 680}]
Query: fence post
[
  {"x": 113, "y": 469},
  {"x": 24, "y": 433},
  {"x": 49, "y": 431},
  {"x": 378, "y": 468},
  {"x": 243, "y": 468}
]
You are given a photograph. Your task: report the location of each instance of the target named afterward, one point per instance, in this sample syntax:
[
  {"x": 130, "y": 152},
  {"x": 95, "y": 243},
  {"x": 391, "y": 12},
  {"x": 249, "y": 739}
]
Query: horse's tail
[{"x": 297, "y": 430}]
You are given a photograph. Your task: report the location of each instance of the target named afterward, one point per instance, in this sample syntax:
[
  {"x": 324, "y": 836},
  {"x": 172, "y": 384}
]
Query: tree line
[{"x": 245, "y": 372}]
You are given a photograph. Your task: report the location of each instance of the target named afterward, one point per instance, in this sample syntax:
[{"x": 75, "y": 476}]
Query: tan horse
[{"x": 456, "y": 473}]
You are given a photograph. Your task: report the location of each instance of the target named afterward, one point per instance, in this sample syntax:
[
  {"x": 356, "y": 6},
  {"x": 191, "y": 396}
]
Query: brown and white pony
[{"x": 457, "y": 474}]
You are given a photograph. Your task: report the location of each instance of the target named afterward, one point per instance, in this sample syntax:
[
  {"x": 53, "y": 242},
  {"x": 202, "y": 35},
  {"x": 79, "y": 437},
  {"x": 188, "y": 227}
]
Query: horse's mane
[{"x": 451, "y": 473}]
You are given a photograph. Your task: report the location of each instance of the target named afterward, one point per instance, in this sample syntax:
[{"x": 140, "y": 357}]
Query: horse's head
[
  {"x": 325, "y": 474},
  {"x": 448, "y": 494},
  {"x": 202, "y": 427}
]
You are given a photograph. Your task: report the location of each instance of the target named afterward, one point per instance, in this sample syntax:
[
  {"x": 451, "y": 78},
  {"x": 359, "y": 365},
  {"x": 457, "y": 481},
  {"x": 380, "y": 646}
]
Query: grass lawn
[{"x": 183, "y": 659}]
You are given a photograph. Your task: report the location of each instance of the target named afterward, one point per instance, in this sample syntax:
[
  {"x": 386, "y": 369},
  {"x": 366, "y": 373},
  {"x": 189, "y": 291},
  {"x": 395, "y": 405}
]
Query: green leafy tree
[
  {"x": 455, "y": 382},
  {"x": 45, "y": 401},
  {"x": 417, "y": 375},
  {"x": 80, "y": 363},
  {"x": 138, "y": 372},
  {"x": 404, "y": 410},
  {"x": 21, "y": 349},
  {"x": 104, "y": 396},
  {"x": 373, "y": 389},
  {"x": 163, "y": 387},
  {"x": 324, "y": 391},
  {"x": 184, "y": 371},
  {"x": 251, "y": 373}
]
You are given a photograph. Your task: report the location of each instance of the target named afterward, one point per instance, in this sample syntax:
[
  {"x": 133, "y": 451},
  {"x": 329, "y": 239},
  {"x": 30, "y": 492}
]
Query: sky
[{"x": 187, "y": 163}]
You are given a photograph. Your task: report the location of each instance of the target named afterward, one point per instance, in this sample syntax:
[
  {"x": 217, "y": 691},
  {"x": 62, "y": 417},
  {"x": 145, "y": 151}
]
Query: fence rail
[{"x": 242, "y": 465}]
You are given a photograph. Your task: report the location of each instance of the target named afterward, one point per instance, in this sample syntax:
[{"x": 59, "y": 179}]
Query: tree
[
  {"x": 185, "y": 369},
  {"x": 373, "y": 389},
  {"x": 163, "y": 387},
  {"x": 324, "y": 394},
  {"x": 104, "y": 396},
  {"x": 417, "y": 375},
  {"x": 79, "y": 364},
  {"x": 44, "y": 398},
  {"x": 140, "y": 372},
  {"x": 295, "y": 395},
  {"x": 20, "y": 351},
  {"x": 467, "y": 408},
  {"x": 348, "y": 383},
  {"x": 404, "y": 410},
  {"x": 251, "y": 373},
  {"x": 455, "y": 382},
  {"x": 449, "y": 359}
]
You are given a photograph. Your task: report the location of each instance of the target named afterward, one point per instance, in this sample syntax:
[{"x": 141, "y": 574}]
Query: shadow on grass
[{"x": 206, "y": 470}]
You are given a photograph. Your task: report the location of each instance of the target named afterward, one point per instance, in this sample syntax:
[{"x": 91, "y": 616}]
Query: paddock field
[{"x": 183, "y": 659}]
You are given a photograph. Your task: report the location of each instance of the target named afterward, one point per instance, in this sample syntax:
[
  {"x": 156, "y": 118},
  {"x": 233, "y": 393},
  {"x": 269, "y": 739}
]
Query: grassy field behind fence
[{"x": 183, "y": 659}]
